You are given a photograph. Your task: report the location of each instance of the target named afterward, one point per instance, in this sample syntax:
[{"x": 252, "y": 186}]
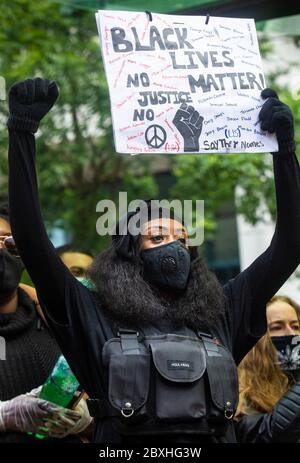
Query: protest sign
[{"x": 178, "y": 84}]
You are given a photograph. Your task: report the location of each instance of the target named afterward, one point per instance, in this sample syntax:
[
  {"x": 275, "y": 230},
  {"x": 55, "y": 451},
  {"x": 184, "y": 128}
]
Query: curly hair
[
  {"x": 261, "y": 380},
  {"x": 129, "y": 298}
]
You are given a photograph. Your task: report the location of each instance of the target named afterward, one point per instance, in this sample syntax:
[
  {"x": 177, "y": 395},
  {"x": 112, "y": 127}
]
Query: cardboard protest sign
[{"x": 179, "y": 85}]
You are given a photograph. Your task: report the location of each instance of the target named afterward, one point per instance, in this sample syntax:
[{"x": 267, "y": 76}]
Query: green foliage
[{"x": 76, "y": 162}]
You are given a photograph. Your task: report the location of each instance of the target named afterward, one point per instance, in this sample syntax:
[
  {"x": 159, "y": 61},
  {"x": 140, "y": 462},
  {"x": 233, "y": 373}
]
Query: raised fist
[
  {"x": 189, "y": 123},
  {"x": 277, "y": 117},
  {"x": 29, "y": 101}
]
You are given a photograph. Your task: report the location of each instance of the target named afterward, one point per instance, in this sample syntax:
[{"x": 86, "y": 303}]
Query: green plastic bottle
[
  {"x": 61, "y": 387},
  {"x": 61, "y": 384}
]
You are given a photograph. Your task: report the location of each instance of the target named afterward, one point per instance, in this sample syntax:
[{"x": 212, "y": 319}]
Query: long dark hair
[{"x": 129, "y": 298}]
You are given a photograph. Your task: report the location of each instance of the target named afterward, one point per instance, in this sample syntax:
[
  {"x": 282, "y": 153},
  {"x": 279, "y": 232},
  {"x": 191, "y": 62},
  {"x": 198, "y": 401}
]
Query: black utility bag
[{"x": 167, "y": 384}]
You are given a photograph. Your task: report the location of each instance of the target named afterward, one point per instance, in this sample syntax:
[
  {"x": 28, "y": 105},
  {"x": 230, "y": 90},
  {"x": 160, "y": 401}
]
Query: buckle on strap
[{"x": 129, "y": 341}]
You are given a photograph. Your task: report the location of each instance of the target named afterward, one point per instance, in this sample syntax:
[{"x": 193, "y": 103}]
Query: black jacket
[{"x": 281, "y": 425}]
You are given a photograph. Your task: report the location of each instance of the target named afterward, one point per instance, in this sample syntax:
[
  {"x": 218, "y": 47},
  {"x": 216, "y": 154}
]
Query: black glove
[
  {"x": 277, "y": 117},
  {"x": 29, "y": 101}
]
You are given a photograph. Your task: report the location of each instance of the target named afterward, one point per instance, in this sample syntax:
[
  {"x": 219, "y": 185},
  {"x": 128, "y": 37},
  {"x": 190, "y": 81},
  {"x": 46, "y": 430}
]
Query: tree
[{"x": 76, "y": 161}]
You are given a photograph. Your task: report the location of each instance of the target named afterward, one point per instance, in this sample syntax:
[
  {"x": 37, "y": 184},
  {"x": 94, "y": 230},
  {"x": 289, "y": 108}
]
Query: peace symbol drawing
[{"x": 155, "y": 136}]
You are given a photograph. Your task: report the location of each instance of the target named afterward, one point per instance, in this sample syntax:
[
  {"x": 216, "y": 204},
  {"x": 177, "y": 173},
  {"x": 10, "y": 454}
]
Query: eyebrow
[
  {"x": 5, "y": 233},
  {"x": 283, "y": 321},
  {"x": 162, "y": 227}
]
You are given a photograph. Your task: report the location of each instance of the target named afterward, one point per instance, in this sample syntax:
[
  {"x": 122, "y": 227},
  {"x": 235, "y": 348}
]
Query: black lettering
[
  {"x": 138, "y": 46},
  {"x": 221, "y": 80},
  {"x": 175, "y": 65},
  {"x": 206, "y": 144},
  {"x": 140, "y": 114},
  {"x": 119, "y": 44},
  {"x": 144, "y": 101},
  {"x": 262, "y": 80},
  {"x": 153, "y": 96},
  {"x": 205, "y": 85},
  {"x": 169, "y": 45},
  {"x": 214, "y": 62},
  {"x": 243, "y": 85},
  {"x": 132, "y": 80},
  {"x": 154, "y": 37},
  {"x": 150, "y": 114},
  {"x": 229, "y": 61},
  {"x": 144, "y": 78},
  {"x": 253, "y": 144},
  {"x": 181, "y": 36},
  {"x": 252, "y": 80},
  {"x": 203, "y": 58},
  {"x": 161, "y": 98},
  {"x": 184, "y": 97},
  {"x": 232, "y": 76},
  {"x": 191, "y": 65}
]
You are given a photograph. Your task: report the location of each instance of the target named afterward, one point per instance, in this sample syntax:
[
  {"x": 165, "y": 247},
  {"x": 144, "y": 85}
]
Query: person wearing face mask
[
  {"x": 269, "y": 405},
  {"x": 160, "y": 338},
  {"x": 30, "y": 354},
  {"x": 77, "y": 262}
]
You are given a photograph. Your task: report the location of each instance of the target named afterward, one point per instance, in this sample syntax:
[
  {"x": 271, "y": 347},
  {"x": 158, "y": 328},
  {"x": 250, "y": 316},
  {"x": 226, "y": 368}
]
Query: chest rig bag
[{"x": 167, "y": 384}]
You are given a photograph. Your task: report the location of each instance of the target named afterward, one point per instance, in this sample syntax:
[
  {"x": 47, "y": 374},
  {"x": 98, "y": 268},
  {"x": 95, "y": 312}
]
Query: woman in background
[{"x": 269, "y": 403}]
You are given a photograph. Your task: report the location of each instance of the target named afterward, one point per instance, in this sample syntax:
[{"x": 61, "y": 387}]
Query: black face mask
[
  {"x": 288, "y": 348},
  {"x": 10, "y": 273},
  {"x": 167, "y": 265}
]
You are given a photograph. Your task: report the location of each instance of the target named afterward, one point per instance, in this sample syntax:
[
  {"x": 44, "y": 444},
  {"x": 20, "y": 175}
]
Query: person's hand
[
  {"x": 25, "y": 414},
  {"x": 71, "y": 428},
  {"x": 29, "y": 101},
  {"x": 276, "y": 117},
  {"x": 28, "y": 413},
  {"x": 189, "y": 123}
]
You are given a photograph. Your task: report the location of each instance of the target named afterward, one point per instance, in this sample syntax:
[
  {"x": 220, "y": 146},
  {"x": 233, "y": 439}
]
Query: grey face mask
[
  {"x": 288, "y": 348},
  {"x": 167, "y": 265}
]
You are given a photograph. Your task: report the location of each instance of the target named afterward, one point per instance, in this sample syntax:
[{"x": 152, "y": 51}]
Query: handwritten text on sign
[{"x": 179, "y": 85}]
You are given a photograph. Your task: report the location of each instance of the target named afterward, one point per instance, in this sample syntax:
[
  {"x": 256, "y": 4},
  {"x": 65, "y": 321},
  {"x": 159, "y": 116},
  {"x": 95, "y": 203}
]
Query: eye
[
  {"x": 275, "y": 328},
  {"x": 157, "y": 238},
  {"x": 77, "y": 271},
  {"x": 182, "y": 240}
]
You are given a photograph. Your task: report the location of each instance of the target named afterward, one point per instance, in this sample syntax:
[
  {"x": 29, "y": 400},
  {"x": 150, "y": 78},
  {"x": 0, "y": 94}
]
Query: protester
[
  {"x": 269, "y": 406},
  {"x": 78, "y": 262},
  {"x": 30, "y": 354},
  {"x": 156, "y": 298}
]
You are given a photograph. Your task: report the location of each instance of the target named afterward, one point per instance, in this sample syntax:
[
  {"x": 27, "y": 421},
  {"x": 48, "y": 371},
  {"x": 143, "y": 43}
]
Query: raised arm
[
  {"x": 29, "y": 102},
  {"x": 251, "y": 289}
]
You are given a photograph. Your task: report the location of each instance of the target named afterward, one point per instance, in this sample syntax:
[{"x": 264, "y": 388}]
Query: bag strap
[
  {"x": 216, "y": 365},
  {"x": 129, "y": 341}
]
